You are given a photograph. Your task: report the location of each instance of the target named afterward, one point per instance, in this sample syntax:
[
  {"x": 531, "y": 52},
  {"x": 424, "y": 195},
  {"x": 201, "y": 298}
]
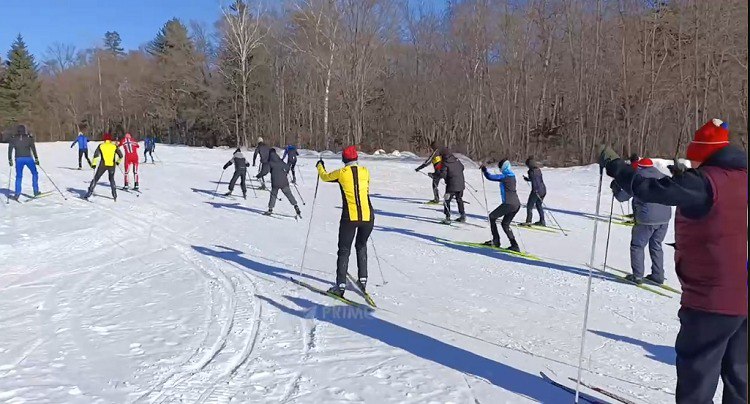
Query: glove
[
  {"x": 614, "y": 187},
  {"x": 253, "y": 164},
  {"x": 247, "y": 164},
  {"x": 483, "y": 168},
  {"x": 36, "y": 161},
  {"x": 226, "y": 165},
  {"x": 321, "y": 163},
  {"x": 93, "y": 165},
  {"x": 606, "y": 155},
  {"x": 431, "y": 175},
  {"x": 416, "y": 169},
  {"x": 10, "y": 162},
  {"x": 525, "y": 178},
  {"x": 677, "y": 169},
  {"x": 117, "y": 162}
]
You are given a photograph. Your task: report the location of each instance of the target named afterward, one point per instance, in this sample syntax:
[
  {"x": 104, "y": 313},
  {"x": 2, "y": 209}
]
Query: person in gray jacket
[
  {"x": 537, "y": 194},
  {"x": 23, "y": 144},
  {"x": 240, "y": 172},
  {"x": 651, "y": 224},
  {"x": 279, "y": 181},
  {"x": 263, "y": 151}
]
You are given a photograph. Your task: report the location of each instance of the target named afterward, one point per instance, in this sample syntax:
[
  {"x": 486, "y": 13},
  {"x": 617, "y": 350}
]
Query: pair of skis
[
  {"x": 370, "y": 302},
  {"x": 595, "y": 395},
  {"x": 647, "y": 281},
  {"x": 499, "y": 249}
]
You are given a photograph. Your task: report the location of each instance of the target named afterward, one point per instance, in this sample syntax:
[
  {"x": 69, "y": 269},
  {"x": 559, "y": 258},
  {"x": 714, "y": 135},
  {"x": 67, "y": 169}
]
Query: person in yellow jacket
[
  {"x": 110, "y": 156},
  {"x": 357, "y": 216}
]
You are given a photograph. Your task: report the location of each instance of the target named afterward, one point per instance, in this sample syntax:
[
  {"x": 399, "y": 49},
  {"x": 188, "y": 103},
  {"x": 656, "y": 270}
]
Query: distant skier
[
  {"x": 537, "y": 194},
  {"x": 290, "y": 154},
  {"x": 110, "y": 156},
  {"x": 262, "y": 151},
  {"x": 149, "y": 147},
  {"x": 83, "y": 148},
  {"x": 357, "y": 216},
  {"x": 452, "y": 170},
  {"x": 130, "y": 146},
  {"x": 240, "y": 172},
  {"x": 508, "y": 208},
  {"x": 710, "y": 259},
  {"x": 23, "y": 144},
  {"x": 436, "y": 176},
  {"x": 651, "y": 225},
  {"x": 279, "y": 181}
]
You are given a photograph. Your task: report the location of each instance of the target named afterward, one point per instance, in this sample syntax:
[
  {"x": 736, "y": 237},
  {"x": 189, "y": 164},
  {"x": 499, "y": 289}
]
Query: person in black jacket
[
  {"x": 279, "y": 181},
  {"x": 262, "y": 150},
  {"x": 452, "y": 170},
  {"x": 240, "y": 172},
  {"x": 537, "y": 194}
]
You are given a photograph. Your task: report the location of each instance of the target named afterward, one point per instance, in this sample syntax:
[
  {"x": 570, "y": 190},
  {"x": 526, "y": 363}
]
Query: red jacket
[{"x": 130, "y": 146}]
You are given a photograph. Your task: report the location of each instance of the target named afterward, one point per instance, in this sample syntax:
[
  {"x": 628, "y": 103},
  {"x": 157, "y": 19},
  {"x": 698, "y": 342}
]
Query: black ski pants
[
  {"x": 264, "y": 169},
  {"x": 146, "y": 153},
  {"x": 448, "y": 197},
  {"x": 83, "y": 153},
  {"x": 238, "y": 175},
  {"x": 710, "y": 346},
  {"x": 435, "y": 184},
  {"x": 535, "y": 201},
  {"x": 507, "y": 212},
  {"x": 292, "y": 164},
  {"x": 99, "y": 172},
  {"x": 348, "y": 232}
]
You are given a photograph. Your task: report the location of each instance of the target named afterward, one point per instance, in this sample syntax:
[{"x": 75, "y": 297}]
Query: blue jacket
[
  {"x": 150, "y": 143},
  {"x": 646, "y": 212},
  {"x": 507, "y": 180},
  {"x": 291, "y": 152},
  {"x": 82, "y": 141}
]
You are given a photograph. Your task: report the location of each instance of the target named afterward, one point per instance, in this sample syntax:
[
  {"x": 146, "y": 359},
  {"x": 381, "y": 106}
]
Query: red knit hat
[
  {"x": 710, "y": 138},
  {"x": 349, "y": 154},
  {"x": 106, "y": 137},
  {"x": 645, "y": 162}
]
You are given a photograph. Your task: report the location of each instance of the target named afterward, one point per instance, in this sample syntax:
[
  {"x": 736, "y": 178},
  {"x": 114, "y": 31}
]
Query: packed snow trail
[{"x": 174, "y": 295}]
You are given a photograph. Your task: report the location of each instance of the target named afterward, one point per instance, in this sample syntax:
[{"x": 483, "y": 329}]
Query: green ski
[
  {"x": 641, "y": 285},
  {"x": 325, "y": 293},
  {"x": 662, "y": 286},
  {"x": 363, "y": 292},
  {"x": 499, "y": 249}
]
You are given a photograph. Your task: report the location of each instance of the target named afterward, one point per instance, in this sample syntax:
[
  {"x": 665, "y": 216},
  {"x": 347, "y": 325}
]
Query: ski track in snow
[{"x": 174, "y": 296}]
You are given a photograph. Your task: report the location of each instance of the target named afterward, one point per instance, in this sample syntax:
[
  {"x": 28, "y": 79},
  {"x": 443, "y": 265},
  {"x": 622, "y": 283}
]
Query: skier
[
  {"x": 83, "y": 148},
  {"x": 357, "y": 216},
  {"x": 23, "y": 143},
  {"x": 110, "y": 156},
  {"x": 651, "y": 224},
  {"x": 279, "y": 181},
  {"x": 452, "y": 171},
  {"x": 436, "y": 175},
  {"x": 508, "y": 208},
  {"x": 537, "y": 194},
  {"x": 263, "y": 151},
  {"x": 130, "y": 146},
  {"x": 240, "y": 172},
  {"x": 290, "y": 154},
  {"x": 149, "y": 147},
  {"x": 710, "y": 259}
]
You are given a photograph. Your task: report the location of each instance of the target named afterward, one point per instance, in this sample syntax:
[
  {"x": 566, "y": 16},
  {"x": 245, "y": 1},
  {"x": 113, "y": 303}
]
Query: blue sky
[{"x": 82, "y": 23}]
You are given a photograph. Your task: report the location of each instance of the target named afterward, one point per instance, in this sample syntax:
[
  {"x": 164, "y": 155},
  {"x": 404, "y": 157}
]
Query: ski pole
[
  {"x": 309, "y": 226},
  {"x": 609, "y": 231},
  {"x": 255, "y": 194},
  {"x": 549, "y": 212},
  {"x": 299, "y": 194},
  {"x": 486, "y": 204},
  {"x": 470, "y": 186},
  {"x": 218, "y": 183},
  {"x": 53, "y": 183},
  {"x": 584, "y": 329},
  {"x": 10, "y": 179},
  {"x": 377, "y": 260}
]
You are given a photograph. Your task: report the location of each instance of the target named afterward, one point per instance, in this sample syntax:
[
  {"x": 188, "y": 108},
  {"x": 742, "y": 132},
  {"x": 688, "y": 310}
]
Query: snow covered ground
[{"x": 176, "y": 296}]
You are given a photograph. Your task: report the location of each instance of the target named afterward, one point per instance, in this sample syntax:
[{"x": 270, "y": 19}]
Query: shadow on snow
[{"x": 662, "y": 353}]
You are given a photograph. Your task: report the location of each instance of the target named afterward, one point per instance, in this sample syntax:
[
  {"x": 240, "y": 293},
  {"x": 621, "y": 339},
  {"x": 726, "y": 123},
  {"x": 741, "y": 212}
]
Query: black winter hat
[{"x": 21, "y": 130}]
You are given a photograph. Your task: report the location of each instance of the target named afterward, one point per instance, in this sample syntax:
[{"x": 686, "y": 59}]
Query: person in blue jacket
[
  {"x": 291, "y": 153},
  {"x": 150, "y": 146},
  {"x": 83, "y": 148},
  {"x": 508, "y": 208}
]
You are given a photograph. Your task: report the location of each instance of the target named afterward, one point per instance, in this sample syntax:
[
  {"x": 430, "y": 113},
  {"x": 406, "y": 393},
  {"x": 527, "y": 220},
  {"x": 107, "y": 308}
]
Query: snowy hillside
[{"x": 174, "y": 295}]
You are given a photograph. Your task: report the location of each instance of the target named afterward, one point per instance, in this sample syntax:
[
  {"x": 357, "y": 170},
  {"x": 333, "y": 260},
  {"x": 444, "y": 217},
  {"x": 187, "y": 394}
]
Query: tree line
[{"x": 549, "y": 78}]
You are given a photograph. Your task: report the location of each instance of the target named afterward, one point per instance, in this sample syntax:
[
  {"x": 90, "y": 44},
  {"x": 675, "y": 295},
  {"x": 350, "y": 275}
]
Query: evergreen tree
[
  {"x": 19, "y": 85},
  {"x": 113, "y": 43}
]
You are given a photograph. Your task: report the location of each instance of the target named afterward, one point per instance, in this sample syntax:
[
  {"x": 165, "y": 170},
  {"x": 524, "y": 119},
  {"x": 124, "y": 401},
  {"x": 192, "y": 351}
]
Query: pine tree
[
  {"x": 19, "y": 86},
  {"x": 113, "y": 43}
]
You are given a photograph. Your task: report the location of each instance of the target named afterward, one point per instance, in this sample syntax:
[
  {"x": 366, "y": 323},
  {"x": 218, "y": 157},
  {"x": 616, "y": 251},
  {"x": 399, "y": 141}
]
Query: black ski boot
[
  {"x": 125, "y": 187},
  {"x": 492, "y": 243},
  {"x": 653, "y": 279},
  {"x": 337, "y": 290},
  {"x": 37, "y": 193},
  {"x": 461, "y": 219},
  {"x": 15, "y": 197},
  {"x": 514, "y": 246},
  {"x": 135, "y": 187},
  {"x": 228, "y": 193},
  {"x": 540, "y": 224},
  {"x": 87, "y": 195},
  {"x": 244, "y": 195},
  {"x": 296, "y": 209},
  {"x": 634, "y": 279},
  {"x": 362, "y": 284},
  {"x": 447, "y": 220},
  {"x": 269, "y": 212}
]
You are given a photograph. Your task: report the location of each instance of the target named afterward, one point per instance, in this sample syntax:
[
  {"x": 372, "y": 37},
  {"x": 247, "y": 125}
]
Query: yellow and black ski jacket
[
  {"x": 354, "y": 182},
  {"x": 107, "y": 151}
]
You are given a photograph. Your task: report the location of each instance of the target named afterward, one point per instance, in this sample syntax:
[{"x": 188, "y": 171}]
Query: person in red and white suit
[{"x": 130, "y": 147}]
